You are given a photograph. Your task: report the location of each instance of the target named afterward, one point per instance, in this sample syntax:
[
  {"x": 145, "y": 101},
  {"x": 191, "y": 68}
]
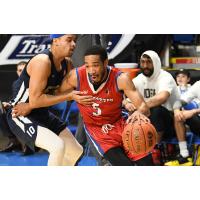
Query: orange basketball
[{"x": 139, "y": 137}]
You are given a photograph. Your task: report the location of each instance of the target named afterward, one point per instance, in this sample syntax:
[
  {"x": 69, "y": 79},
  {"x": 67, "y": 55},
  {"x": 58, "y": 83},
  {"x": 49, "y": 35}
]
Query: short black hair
[
  {"x": 183, "y": 71},
  {"x": 97, "y": 50}
]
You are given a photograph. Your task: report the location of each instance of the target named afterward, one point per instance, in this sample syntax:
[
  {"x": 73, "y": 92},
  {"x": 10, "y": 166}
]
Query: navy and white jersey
[
  {"x": 21, "y": 90},
  {"x": 26, "y": 128}
]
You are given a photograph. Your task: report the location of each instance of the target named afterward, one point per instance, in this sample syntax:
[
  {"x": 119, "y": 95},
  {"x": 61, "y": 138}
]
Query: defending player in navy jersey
[{"x": 35, "y": 91}]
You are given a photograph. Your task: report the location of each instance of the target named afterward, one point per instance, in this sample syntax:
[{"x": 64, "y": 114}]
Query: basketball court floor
[{"x": 37, "y": 159}]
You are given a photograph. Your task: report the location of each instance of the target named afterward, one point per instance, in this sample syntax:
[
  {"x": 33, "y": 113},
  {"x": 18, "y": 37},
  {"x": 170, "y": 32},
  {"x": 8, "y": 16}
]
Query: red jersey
[
  {"x": 106, "y": 108},
  {"x": 103, "y": 120}
]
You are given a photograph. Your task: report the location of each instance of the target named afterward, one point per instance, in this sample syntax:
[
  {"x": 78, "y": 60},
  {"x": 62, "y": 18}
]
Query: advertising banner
[{"x": 22, "y": 48}]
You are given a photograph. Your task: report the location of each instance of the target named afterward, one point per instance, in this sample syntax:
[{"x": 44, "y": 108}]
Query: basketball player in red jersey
[{"x": 103, "y": 120}]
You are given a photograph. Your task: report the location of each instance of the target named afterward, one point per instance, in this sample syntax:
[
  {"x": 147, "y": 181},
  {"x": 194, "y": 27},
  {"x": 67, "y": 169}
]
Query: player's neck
[{"x": 57, "y": 59}]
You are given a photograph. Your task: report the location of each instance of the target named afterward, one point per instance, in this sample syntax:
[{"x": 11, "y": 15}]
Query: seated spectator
[
  {"x": 159, "y": 90},
  {"x": 191, "y": 118},
  {"x": 13, "y": 143},
  {"x": 19, "y": 68},
  {"x": 183, "y": 80}
]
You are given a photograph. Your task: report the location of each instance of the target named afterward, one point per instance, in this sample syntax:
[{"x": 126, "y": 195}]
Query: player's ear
[{"x": 55, "y": 41}]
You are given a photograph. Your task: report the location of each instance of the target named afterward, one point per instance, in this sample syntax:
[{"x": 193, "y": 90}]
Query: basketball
[{"x": 139, "y": 137}]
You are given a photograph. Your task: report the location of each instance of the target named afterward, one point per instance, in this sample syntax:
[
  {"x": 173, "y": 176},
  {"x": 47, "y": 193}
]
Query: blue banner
[{"x": 23, "y": 47}]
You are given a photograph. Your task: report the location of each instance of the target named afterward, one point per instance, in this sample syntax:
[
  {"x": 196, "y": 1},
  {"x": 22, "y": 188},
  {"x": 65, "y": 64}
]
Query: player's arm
[
  {"x": 69, "y": 84},
  {"x": 125, "y": 84},
  {"x": 39, "y": 69},
  {"x": 39, "y": 99}
]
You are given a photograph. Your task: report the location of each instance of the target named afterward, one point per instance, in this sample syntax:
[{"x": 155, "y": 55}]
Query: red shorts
[{"x": 109, "y": 136}]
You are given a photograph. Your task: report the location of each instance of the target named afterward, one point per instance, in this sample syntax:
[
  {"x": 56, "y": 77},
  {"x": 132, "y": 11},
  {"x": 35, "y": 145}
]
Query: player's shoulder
[
  {"x": 122, "y": 77},
  {"x": 44, "y": 58},
  {"x": 39, "y": 64}
]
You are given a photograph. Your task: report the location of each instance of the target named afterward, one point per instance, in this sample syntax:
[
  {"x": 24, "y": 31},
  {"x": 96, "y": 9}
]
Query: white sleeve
[
  {"x": 166, "y": 84},
  {"x": 137, "y": 81},
  {"x": 191, "y": 93}
]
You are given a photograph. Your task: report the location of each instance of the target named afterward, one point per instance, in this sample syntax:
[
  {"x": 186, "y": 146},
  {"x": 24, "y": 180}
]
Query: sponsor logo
[
  {"x": 103, "y": 99},
  {"x": 23, "y": 47}
]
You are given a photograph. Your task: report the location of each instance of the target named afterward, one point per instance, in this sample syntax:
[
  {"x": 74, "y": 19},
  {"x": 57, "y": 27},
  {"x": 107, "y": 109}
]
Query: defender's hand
[
  {"x": 80, "y": 98},
  {"x": 21, "y": 109}
]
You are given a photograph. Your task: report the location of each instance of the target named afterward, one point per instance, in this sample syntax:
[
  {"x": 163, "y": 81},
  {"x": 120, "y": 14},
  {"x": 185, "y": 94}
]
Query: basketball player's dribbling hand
[
  {"x": 83, "y": 99},
  {"x": 137, "y": 116},
  {"x": 21, "y": 109}
]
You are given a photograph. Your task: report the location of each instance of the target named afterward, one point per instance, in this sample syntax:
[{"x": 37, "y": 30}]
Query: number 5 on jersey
[{"x": 97, "y": 109}]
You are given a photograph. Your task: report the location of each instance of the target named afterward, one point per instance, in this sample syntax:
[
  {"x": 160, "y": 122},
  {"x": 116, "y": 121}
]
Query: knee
[{"x": 58, "y": 146}]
